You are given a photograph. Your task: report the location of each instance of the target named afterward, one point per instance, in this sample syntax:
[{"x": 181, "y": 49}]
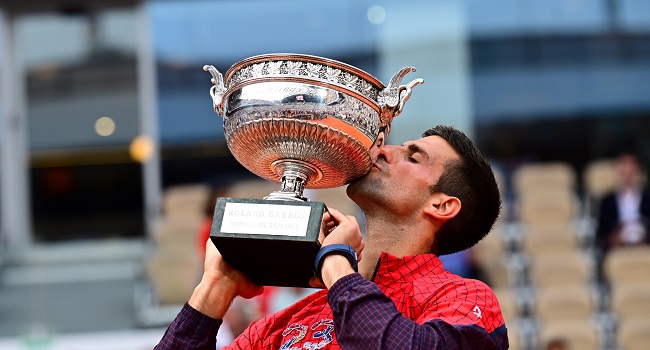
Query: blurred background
[{"x": 111, "y": 156}]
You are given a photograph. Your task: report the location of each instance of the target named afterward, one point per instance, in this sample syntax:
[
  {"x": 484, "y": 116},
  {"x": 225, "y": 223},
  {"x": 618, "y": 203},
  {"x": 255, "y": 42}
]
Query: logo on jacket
[
  {"x": 477, "y": 311},
  {"x": 321, "y": 329}
]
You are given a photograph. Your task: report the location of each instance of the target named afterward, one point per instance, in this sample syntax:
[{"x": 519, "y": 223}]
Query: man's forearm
[
  {"x": 197, "y": 324},
  {"x": 211, "y": 298},
  {"x": 191, "y": 330}
]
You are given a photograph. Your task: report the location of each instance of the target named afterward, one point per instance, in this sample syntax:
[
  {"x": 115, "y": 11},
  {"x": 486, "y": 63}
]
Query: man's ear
[{"x": 443, "y": 207}]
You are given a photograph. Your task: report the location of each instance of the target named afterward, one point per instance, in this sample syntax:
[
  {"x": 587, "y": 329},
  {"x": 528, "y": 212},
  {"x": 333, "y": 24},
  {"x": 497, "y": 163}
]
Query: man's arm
[
  {"x": 365, "y": 318},
  {"x": 197, "y": 324},
  {"x": 190, "y": 330}
]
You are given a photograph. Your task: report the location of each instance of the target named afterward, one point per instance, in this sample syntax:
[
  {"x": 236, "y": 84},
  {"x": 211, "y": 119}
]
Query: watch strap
[{"x": 340, "y": 249}]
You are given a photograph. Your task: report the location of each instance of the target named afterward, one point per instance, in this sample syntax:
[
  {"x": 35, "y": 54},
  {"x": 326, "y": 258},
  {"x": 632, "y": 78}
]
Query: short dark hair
[{"x": 471, "y": 180}]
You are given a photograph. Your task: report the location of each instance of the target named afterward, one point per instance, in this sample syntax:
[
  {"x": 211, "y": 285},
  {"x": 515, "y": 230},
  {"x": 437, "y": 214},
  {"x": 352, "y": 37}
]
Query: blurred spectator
[{"x": 624, "y": 213}]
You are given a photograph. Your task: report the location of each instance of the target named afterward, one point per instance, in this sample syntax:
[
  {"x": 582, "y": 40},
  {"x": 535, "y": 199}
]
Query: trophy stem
[{"x": 295, "y": 174}]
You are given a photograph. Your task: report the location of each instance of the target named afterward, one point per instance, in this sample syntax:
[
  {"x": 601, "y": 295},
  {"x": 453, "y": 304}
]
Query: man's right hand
[
  {"x": 220, "y": 284},
  {"x": 338, "y": 229}
]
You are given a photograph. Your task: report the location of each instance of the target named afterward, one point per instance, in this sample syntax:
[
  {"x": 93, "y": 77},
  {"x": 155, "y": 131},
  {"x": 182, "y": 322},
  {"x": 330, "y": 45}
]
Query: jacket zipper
[{"x": 374, "y": 273}]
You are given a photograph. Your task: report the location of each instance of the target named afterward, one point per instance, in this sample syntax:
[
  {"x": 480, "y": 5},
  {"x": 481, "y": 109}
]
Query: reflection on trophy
[{"x": 304, "y": 122}]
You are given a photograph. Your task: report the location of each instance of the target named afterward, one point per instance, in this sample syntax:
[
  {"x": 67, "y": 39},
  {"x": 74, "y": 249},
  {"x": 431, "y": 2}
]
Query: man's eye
[{"x": 412, "y": 160}]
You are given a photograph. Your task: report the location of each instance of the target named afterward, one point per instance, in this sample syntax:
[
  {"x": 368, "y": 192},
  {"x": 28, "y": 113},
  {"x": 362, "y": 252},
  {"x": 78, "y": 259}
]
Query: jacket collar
[{"x": 407, "y": 268}]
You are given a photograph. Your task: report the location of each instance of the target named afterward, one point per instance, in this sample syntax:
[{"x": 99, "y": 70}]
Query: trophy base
[{"x": 273, "y": 242}]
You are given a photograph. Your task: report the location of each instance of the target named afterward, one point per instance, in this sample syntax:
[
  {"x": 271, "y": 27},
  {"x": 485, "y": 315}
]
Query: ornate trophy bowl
[{"x": 305, "y": 122}]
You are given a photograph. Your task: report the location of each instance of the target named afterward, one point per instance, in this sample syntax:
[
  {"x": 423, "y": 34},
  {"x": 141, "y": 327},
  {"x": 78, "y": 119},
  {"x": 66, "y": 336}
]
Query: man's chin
[
  {"x": 362, "y": 185},
  {"x": 360, "y": 178},
  {"x": 353, "y": 186},
  {"x": 354, "y": 181}
]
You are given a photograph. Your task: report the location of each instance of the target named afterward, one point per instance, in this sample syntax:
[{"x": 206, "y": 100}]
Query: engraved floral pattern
[
  {"x": 306, "y": 69},
  {"x": 274, "y": 67},
  {"x": 367, "y": 89},
  {"x": 237, "y": 76},
  {"x": 332, "y": 74},
  {"x": 313, "y": 69},
  {"x": 350, "y": 80},
  {"x": 257, "y": 70},
  {"x": 293, "y": 67}
]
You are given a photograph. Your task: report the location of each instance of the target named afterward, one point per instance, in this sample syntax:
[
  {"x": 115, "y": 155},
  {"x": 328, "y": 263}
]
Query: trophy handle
[
  {"x": 394, "y": 96},
  {"x": 217, "y": 90}
]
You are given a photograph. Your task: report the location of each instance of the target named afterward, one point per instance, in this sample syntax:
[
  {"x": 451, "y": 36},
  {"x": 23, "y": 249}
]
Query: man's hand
[
  {"x": 220, "y": 284},
  {"x": 338, "y": 229}
]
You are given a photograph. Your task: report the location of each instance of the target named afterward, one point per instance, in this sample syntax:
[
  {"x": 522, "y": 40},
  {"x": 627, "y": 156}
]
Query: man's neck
[{"x": 398, "y": 238}]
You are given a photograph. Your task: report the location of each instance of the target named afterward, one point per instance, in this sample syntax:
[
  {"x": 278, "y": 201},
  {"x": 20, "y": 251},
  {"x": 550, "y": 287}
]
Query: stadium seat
[
  {"x": 560, "y": 269},
  {"x": 541, "y": 176},
  {"x": 599, "y": 178},
  {"x": 552, "y": 205},
  {"x": 627, "y": 264},
  {"x": 553, "y": 237},
  {"x": 579, "y": 335},
  {"x": 564, "y": 303},
  {"x": 631, "y": 299},
  {"x": 634, "y": 334},
  {"x": 181, "y": 199}
]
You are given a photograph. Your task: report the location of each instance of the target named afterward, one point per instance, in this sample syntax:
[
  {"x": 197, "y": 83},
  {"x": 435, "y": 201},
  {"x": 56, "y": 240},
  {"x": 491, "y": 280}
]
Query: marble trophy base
[{"x": 273, "y": 242}]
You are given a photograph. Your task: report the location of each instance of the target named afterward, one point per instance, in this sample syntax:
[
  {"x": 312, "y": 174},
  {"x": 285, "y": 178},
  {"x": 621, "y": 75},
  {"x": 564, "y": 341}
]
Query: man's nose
[
  {"x": 386, "y": 152},
  {"x": 375, "y": 150},
  {"x": 376, "y": 147}
]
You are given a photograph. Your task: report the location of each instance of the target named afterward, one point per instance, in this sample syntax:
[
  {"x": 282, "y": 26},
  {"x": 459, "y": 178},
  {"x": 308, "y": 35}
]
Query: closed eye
[{"x": 416, "y": 150}]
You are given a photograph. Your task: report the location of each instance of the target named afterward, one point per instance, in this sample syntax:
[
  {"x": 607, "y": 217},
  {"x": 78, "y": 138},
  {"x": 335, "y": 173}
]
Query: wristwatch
[{"x": 340, "y": 249}]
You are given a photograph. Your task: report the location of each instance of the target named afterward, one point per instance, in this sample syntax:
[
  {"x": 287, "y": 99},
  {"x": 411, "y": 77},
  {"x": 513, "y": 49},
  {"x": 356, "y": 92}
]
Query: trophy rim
[{"x": 304, "y": 58}]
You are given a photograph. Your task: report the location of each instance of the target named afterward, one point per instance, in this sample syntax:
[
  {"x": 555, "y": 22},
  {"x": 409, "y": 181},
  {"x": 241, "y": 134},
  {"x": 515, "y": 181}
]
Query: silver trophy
[{"x": 305, "y": 122}]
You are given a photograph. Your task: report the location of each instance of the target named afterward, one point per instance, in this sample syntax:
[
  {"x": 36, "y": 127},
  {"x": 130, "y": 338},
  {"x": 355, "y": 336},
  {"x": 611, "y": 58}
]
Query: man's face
[
  {"x": 629, "y": 171},
  {"x": 400, "y": 176}
]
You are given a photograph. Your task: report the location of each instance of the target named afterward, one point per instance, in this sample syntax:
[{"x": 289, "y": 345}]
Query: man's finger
[
  {"x": 253, "y": 292},
  {"x": 337, "y": 215},
  {"x": 316, "y": 283}
]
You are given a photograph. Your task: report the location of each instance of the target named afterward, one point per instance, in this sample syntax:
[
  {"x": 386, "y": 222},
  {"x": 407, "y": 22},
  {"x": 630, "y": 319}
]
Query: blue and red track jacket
[{"x": 412, "y": 304}]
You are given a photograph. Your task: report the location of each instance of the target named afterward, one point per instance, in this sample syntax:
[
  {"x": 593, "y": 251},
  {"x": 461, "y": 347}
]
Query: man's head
[
  {"x": 630, "y": 172},
  {"x": 441, "y": 179},
  {"x": 470, "y": 179}
]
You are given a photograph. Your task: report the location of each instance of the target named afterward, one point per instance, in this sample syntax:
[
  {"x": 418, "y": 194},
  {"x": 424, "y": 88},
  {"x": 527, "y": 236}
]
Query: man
[
  {"x": 428, "y": 197},
  {"x": 625, "y": 212}
]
